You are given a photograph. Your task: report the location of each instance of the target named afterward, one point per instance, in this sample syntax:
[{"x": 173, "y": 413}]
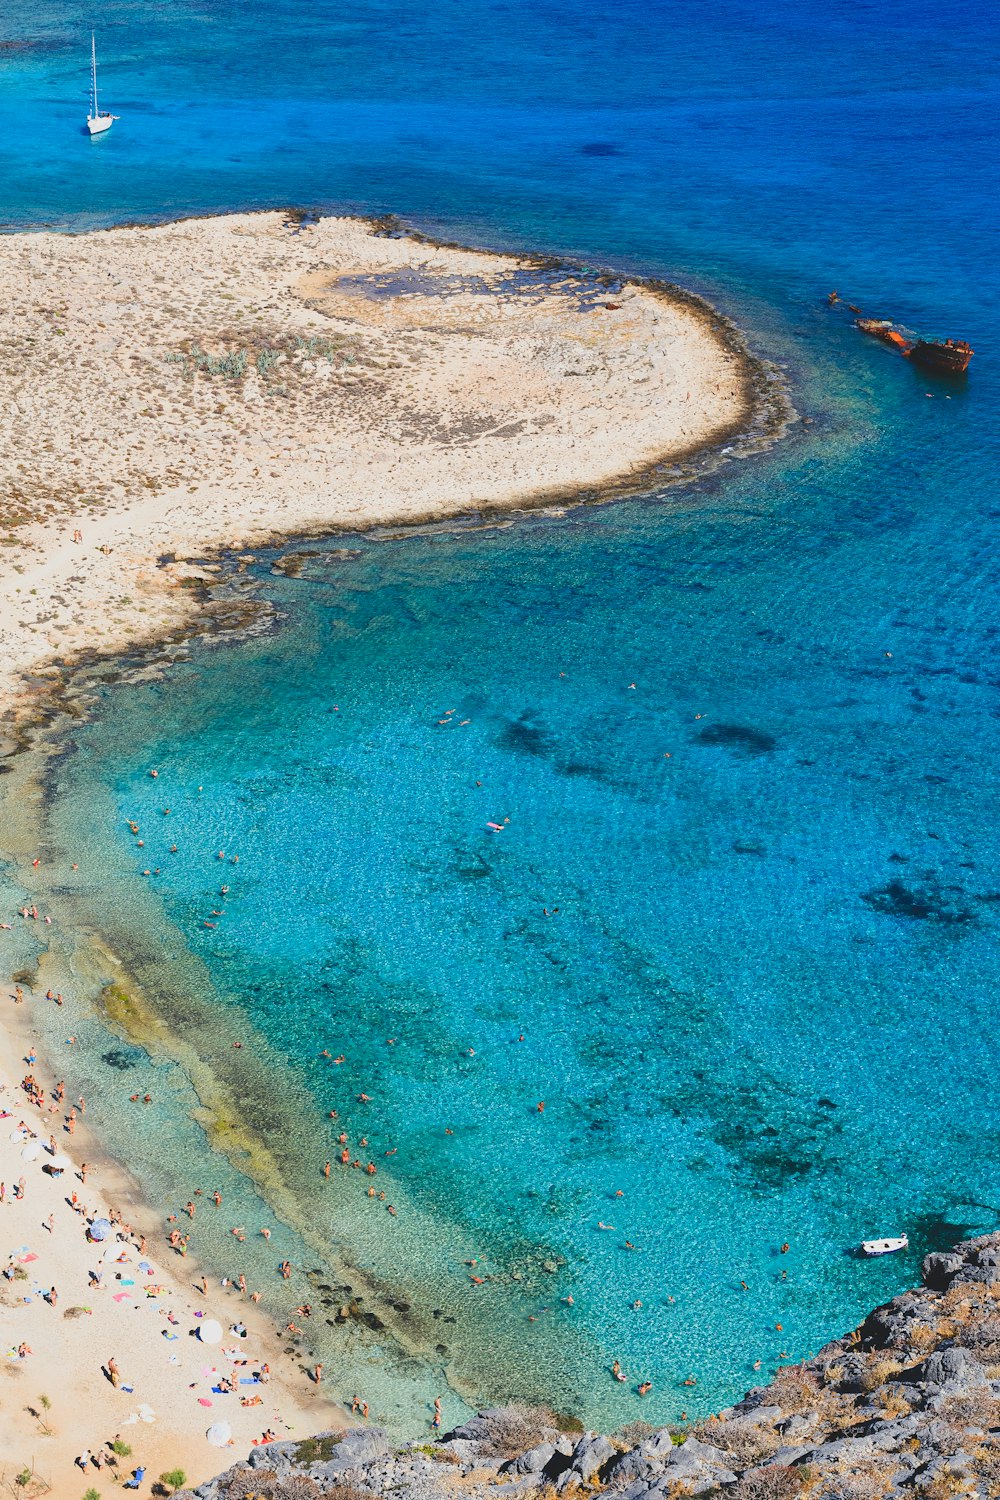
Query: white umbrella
[
  {"x": 100, "y": 1229},
  {"x": 31, "y": 1150},
  {"x": 117, "y": 1251},
  {"x": 61, "y": 1163},
  {"x": 17, "y": 1135},
  {"x": 210, "y": 1332},
  {"x": 219, "y": 1434}
]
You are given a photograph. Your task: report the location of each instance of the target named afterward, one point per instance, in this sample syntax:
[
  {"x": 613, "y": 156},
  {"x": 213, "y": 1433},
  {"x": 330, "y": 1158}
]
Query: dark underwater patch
[
  {"x": 600, "y": 148},
  {"x": 521, "y": 737},
  {"x": 921, "y": 903},
  {"x": 122, "y": 1058},
  {"x": 581, "y": 768},
  {"x": 944, "y": 1229},
  {"x": 739, "y": 737},
  {"x": 749, "y": 846}
]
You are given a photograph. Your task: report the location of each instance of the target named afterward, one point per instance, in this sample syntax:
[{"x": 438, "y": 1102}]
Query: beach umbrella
[
  {"x": 210, "y": 1332},
  {"x": 219, "y": 1434},
  {"x": 31, "y": 1150},
  {"x": 61, "y": 1163},
  {"x": 100, "y": 1229},
  {"x": 18, "y": 1135},
  {"x": 116, "y": 1251}
]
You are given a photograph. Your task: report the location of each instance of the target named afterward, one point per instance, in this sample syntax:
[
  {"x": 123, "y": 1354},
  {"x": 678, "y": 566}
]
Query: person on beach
[
  {"x": 113, "y": 1372},
  {"x": 317, "y": 1373},
  {"x": 436, "y": 1422}
]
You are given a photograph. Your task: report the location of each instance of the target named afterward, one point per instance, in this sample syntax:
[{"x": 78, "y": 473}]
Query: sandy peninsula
[{"x": 215, "y": 382}]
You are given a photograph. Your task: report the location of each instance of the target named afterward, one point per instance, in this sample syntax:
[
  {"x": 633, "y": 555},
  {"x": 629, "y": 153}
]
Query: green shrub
[
  {"x": 174, "y": 1478},
  {"x": 316, "y": 1450}
]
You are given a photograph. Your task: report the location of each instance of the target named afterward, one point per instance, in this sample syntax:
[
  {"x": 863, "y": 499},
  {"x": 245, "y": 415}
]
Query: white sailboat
[
  {"x": 888, "y": 1246},
  {"x": 98, "y": 120}
]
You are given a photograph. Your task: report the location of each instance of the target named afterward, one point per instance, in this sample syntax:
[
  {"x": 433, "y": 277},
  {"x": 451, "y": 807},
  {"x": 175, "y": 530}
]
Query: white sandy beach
[
  {"x": 459, "y": 387},
  {"x": 145, "y": 1314}
]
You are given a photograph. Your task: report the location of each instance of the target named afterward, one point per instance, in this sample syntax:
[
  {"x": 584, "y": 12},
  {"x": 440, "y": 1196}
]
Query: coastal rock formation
[{"x": 906, "y": 1404}]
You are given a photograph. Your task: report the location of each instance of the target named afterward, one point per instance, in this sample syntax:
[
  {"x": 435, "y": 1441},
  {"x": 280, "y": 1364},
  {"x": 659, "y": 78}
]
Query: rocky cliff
[{"x": 907, "y": 1404}]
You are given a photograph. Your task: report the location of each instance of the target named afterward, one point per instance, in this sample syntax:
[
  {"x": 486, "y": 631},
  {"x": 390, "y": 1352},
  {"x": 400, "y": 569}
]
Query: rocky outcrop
[{"x": 907, "y": 1405}]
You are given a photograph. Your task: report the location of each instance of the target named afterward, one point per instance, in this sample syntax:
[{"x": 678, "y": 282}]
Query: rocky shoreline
[{"x": 906, "y": 1404}]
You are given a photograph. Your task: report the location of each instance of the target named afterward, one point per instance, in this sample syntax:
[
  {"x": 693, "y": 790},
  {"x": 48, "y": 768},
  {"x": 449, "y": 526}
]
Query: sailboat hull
[{"x": 97, "y": 124}]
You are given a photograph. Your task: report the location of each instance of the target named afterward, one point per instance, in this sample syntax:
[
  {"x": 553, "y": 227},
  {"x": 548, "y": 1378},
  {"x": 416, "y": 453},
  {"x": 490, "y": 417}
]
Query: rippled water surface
[{"x": 739, "y": 932}]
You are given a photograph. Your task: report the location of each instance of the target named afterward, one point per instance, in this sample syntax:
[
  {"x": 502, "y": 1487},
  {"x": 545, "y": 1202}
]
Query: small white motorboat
[
  {"x": 884, "y": 1247},
  {"x": 98, "y": 120}
]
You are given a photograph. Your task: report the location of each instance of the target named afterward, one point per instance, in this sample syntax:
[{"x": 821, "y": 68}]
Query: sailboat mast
[{"x": 93, "y": 74}]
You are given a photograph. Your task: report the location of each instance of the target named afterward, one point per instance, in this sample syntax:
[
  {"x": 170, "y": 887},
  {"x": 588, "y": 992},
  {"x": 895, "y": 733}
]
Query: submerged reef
[{"x": 906, "y": 1404}]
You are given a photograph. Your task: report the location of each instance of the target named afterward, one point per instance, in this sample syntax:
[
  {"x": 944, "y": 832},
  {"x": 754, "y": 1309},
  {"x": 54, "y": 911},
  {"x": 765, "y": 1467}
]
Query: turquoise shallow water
[{"x": 763, "y": 1011}]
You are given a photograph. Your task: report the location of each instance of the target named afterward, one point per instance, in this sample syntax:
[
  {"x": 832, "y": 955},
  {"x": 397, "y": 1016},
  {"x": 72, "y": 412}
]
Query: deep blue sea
[{"x": 739, "y": 934}]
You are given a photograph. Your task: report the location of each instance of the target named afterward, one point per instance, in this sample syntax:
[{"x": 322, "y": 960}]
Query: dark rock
[
  {"x": 532, "y": 1462},
  {"x": 938, "y": 1269},
  {"x": 955, "y": 1368},
  {"x": 589, "y": 1455}
]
